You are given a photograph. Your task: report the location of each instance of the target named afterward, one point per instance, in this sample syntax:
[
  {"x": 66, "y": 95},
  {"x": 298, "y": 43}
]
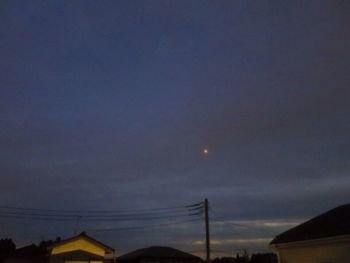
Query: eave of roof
[
  {"x": 329, "y": 224},
  {"x": 312, "y": 242}
]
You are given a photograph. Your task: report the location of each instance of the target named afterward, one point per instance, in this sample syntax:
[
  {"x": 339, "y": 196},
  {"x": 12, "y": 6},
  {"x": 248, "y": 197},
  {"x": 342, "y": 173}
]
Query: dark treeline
[
  {"x": 8, "y": 249},
  {"x": 254, "y": 258}
]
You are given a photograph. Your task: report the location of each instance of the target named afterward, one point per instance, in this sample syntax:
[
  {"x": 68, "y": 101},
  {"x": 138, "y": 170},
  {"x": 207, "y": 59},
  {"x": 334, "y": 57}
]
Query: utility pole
[{"x": 207, "y": 237}]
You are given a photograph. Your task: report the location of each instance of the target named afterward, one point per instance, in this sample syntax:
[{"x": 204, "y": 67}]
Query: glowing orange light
[{"x": 205, "y": 151}]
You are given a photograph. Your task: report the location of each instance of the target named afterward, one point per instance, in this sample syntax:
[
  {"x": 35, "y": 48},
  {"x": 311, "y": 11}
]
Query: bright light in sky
[{"x": 205, "y": 151}]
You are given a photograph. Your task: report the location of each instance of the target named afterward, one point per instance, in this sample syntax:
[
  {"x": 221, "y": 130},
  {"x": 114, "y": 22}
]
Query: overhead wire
[
  {"x": 91, "y": 219},
  {"x": 184, "y": 212},
  {"x": 99, "y": 211},
  {"x": 112, "y": 215},
  {"x": 145, "y": 226},
  {"x": 172, "y": 208}
]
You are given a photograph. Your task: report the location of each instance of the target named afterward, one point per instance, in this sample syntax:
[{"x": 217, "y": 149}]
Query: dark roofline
[
  {"x": 329, "y": 224},
  {"x": 156, "y": 252},
  {"x": 83, "y": 235}
]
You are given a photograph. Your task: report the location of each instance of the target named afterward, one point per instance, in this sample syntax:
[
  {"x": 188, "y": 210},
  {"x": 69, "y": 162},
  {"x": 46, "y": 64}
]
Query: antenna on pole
[{"x": 207, "y": 236}]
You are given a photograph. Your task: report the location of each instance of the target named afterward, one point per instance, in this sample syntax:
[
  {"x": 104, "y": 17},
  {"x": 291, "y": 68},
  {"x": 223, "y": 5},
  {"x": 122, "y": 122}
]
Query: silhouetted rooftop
[
  {"x": 332, "y": 223},
  {"x": 157, "y": 252},
  {"x": 30, "y": 250}
]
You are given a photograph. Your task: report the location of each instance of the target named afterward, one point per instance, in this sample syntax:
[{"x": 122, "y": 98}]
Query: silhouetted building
[
  {"x": 263, "y": 258},
  {"x": 28, "y": 254},
  {"x": 158, "y": 255},
  {"x": 7, "y": 248},
  {"x": 224, "y": 260},
  {"x": 325, "y": 238}
]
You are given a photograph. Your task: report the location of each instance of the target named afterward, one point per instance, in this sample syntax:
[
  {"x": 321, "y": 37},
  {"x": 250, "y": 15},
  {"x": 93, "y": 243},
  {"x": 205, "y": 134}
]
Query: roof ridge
[{"x": 84, "y": 235}]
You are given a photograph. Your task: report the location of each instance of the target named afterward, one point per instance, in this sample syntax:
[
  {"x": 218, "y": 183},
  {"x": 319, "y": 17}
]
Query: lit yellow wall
[
  {"x": 79, "y": 244},
  {"x": 334, "y": 253}
]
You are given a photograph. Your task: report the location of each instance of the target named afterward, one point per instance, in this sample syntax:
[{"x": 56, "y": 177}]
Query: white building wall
[{"x": 334, "y": 252}]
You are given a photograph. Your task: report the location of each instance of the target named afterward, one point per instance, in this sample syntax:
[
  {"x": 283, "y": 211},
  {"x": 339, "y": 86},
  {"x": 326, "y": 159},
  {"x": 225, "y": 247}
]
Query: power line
[
  {"x": 145, "y": 226},
  {"x": 63, "y": 215},
  {"x": 183, "y": 212},
  {"x": 188, "y": 207},
  {"x": 74, "y": 218},
  {"x": 228, "y": 222}
]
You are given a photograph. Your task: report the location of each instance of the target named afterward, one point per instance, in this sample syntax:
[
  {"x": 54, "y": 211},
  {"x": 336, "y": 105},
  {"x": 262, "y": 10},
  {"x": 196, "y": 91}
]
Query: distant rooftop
[
  {"x": 335, "y": 222},
  {"x": 30, "y": 251},
  {"x": 157, "y": 252}
]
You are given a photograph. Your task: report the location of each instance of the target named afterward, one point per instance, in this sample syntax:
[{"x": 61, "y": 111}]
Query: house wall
[
  {"x": 322, "y": 253},
  {"x": 79, "y": 244}
]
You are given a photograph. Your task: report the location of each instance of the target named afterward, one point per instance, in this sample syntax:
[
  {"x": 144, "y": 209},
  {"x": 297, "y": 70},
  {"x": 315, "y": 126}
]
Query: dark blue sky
[{"x": 108, "y": 105}]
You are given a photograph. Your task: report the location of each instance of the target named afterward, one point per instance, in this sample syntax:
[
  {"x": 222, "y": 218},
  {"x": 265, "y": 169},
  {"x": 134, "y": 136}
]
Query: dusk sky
[{"x": 108, "y": 105}]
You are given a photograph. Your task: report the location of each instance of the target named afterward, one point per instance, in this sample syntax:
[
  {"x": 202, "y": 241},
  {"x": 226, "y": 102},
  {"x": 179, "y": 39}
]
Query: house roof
[
  {"x": 87, "y": 237},
  {"x": 156, "y": 252},
  {"x": 332, "y": 223}
]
